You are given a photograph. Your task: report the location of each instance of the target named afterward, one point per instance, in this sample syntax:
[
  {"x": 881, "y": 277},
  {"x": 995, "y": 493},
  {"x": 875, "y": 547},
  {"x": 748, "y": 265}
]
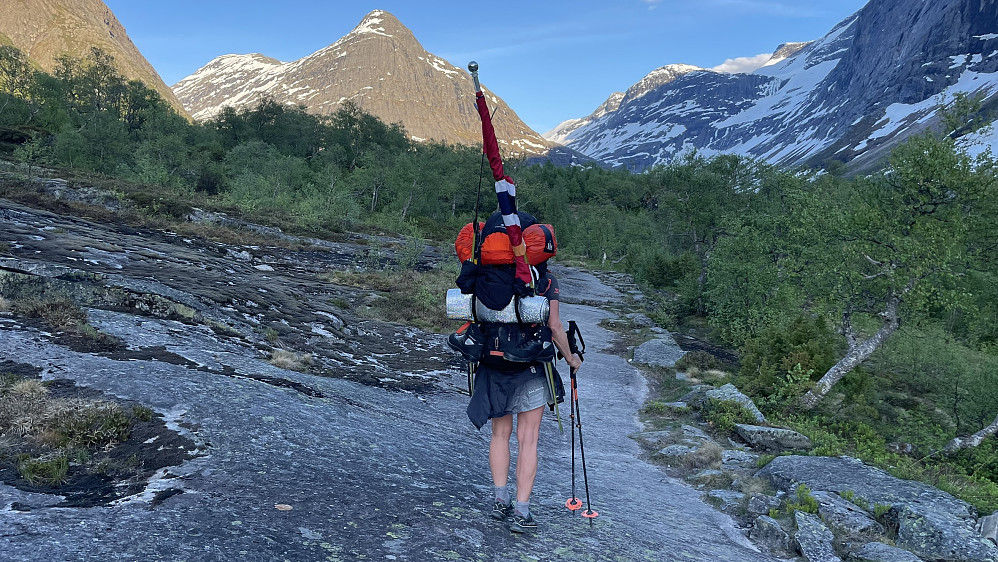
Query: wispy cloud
[
  {"x": 652, "y": 4},
  {"x": 743, "y": 64},
  {"x": 769, "y": 7}
]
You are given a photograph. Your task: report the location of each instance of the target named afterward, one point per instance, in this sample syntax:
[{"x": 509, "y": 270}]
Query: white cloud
[
  {"x": 743, "y": 64},
  {"x": 652, "y": 4}
]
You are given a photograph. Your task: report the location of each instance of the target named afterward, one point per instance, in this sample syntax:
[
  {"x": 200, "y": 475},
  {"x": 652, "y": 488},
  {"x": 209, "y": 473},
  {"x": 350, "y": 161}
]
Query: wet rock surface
[{"x": 367, "y": 455}]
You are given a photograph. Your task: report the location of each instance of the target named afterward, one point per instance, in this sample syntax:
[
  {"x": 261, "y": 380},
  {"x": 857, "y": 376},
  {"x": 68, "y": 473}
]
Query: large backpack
[
  {"x": 495, "y": 248},
  {"x": 504, "y": 346}
]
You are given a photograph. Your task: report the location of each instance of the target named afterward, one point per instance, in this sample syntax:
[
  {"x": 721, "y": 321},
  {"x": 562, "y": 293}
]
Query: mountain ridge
[
  {"x": 390, "y": 76},
  {"x": 873, "y": 80}
]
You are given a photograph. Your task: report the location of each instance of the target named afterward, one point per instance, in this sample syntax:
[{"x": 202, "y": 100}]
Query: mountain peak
[
  {"x": 380, "y": 22},
  {"x": 379, "y": 66},
  {"x": 659, "y": 77},
  {"x": 785, "y": 51}
]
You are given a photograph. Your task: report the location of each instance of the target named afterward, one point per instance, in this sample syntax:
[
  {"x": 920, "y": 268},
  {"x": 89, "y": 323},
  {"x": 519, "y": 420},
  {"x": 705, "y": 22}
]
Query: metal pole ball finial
[{"x": 473, "y": 67}]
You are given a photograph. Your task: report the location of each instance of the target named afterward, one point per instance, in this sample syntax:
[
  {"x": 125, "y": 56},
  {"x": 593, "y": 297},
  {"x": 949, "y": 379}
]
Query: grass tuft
[{"x": 291, "y": 360}]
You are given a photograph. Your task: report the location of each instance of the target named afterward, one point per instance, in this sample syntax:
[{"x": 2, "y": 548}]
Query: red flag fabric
[{"x": 505, "y": 191}]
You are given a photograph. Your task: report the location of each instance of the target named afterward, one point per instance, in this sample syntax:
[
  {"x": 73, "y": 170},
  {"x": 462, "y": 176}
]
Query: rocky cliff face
[
  {"x": 382, "y": 68},
  {"x": 47, "y": 29},
  {"x": 871, "y": 82}
]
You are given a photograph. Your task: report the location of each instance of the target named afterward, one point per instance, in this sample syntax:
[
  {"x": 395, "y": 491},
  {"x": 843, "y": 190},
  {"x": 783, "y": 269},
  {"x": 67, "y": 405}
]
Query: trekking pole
[
  {"x": 575, "y": 503},
  {"x": 588, "y": 513}
]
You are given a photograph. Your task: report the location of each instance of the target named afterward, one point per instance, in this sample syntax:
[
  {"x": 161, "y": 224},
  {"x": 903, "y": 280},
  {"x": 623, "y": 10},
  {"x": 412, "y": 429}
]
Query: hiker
[{"x": 523, "y": 390}]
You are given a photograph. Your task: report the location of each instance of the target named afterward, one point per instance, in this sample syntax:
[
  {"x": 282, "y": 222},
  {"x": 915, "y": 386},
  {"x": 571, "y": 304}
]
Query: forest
[{"x": 862, "y": 308}]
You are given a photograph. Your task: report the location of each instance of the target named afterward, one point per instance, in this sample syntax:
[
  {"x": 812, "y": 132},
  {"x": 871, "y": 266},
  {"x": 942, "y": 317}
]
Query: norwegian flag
[{"x": 505, "y": 191}]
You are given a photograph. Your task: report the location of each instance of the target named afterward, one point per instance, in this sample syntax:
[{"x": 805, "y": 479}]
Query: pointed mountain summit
[
  {"x": 381, "y": 67},
  {"x": 47, "y": 29}
]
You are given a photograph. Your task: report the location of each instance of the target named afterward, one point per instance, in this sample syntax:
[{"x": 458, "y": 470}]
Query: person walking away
[{"x": 523, "y": 391}]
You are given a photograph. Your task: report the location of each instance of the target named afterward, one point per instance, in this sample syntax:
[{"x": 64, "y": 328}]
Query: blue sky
[{"x": 550, "y": 60}]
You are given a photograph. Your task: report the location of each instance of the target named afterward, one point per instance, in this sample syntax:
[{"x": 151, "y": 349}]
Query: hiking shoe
[
  {"x": 521, "y": 524},
  {"x": 533, "y": 347},
  {"x": 468, "y": 344},
  {"x": 500, "y": 511}
]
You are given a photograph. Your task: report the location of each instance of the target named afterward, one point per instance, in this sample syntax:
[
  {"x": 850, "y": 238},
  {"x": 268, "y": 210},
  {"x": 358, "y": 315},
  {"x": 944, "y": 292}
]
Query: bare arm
[{"x": 560, "y": 339}]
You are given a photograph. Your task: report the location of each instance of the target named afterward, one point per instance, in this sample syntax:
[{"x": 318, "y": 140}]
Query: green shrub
[
  {"x": 701, "y": 360},
  {"x": 801, "y": 501},
  {"x": 859, "y": 501},
  {"x": 779, "y": 349},
  {"x": 46, "y": 471},
  {"x": 722, "y": 415},
  {"x": 880, "y": 510},
  {"x": 142, "y": 413}
]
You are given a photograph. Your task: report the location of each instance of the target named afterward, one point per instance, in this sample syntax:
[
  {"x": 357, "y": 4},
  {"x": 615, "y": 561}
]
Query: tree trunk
[
  {"x": 405, "y": 209},
  {"x": 858, "y": 352},
  {"x": 974, "y": 440},
  {"x": 374, "y": 196}
]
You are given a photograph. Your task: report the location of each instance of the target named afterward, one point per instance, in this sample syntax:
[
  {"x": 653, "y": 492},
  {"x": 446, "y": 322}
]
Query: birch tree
[{"x": 886, "y": 248}]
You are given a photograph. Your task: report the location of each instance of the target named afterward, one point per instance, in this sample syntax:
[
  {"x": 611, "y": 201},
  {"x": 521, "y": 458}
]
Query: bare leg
[
  {"x": 528, "y": 425},
  {"x": 502, "y": 428}
]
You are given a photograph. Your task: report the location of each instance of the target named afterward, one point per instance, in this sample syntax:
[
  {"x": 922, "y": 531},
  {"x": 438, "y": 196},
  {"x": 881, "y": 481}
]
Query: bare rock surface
[
  {"x": 368, "y": 455},
  {"x": 662, "y": 351},
  {"x": 772, "y": 438},
  {"x": 929, "y": 522},
  {"x": 880, "y": 552},
  {"x": 814, "y": 539}
]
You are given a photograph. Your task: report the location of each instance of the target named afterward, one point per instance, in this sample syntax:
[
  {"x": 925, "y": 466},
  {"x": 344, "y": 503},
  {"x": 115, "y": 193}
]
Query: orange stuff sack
[{"x": 496, "y": 250}]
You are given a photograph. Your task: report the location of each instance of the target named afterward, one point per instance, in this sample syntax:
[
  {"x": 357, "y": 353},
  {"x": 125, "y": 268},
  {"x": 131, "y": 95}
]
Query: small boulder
[
  {"x": 640, "y": 320},
  {"x": 730, "y": 393},
  {"x": 772, "y": 438},
  {"x": 880, "y": 552},
  {"x": 988, "y": 527},
  {"x": 694, "y": 433},
  {"x": 814, "y": 539},
  {"x": 727, "y": 501},
  {"x": 676, "y": 451},
  {"x": 662, "y": 351},
  {"x": 710, "y": 478},
  {"x": 768, "y": 533},
  {"x": 936, "y": 535},
  {"x": 654, "y": 438},
  {"x": 761, "y": 504},
  {"x": 845, "y": 516},
  {"x": 734, "y": 458}
]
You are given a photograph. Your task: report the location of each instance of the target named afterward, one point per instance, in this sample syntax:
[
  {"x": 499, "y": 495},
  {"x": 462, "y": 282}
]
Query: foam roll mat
[{"x": 533, "y": 310}]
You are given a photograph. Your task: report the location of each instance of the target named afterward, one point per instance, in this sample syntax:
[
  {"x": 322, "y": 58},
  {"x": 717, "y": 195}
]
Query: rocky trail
[
  {"x": 367, "y": 456},
  {"x": 365, "y": 452}
]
